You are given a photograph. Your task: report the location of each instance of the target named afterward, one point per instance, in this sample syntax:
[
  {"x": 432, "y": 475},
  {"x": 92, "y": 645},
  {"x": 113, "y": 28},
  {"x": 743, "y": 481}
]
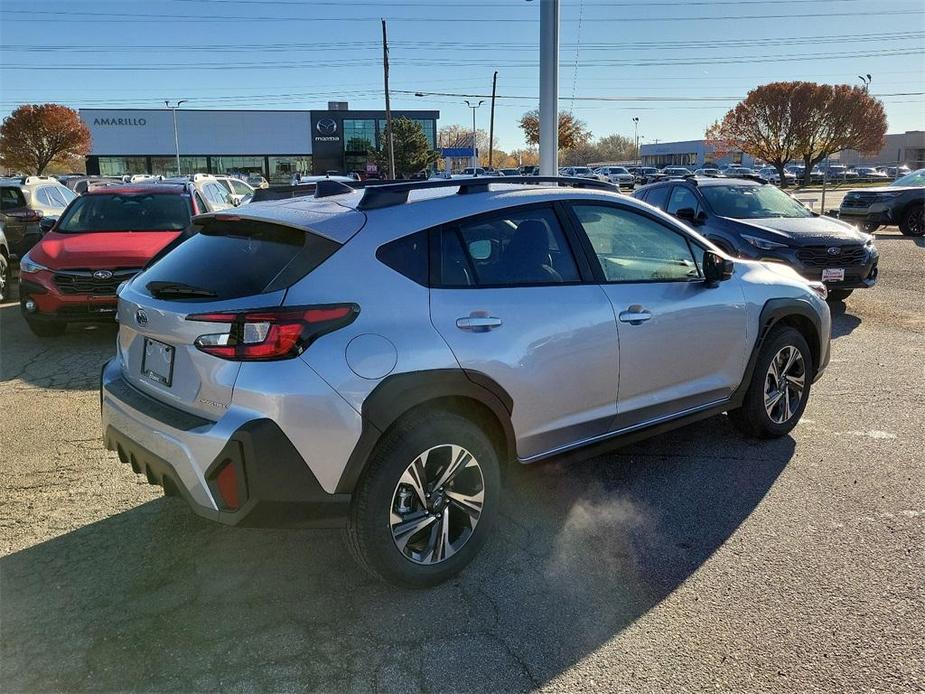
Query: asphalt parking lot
[{"x": 693, "y": 561}]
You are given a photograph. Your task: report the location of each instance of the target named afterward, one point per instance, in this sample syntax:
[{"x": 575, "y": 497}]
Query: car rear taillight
[
  {"x": 272, "y": 333},
  {"x": 25, "y": 215}
]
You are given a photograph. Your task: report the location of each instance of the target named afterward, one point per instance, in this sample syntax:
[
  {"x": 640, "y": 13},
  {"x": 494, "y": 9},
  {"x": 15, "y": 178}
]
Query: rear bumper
[{"x": 184, "y": 453}]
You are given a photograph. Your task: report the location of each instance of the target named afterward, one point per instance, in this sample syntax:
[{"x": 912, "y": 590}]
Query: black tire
[
  {"x": 752, "y": 418},
  {"x": 839, "y": 294},
  {"x": 369, "y": 531},
  {"x": 870, "y": 227},
  {"x": 46, "y": 328},
  {"x": 6, "y": 278},
  {"x": 913, "y": 221}
]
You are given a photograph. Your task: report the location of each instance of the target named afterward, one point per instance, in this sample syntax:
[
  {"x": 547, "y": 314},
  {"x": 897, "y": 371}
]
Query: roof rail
[
  {"x": 326, "y": 188},
  {"x": 376, "y": 195}
]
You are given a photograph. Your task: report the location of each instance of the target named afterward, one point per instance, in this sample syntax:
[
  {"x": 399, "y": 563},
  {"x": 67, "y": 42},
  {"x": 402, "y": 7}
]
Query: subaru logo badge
[
  {"x": 326, "y": 126},
  {"x": 141, "y": 317},
  {"x": 833, "y": 250},
  {"x": 102, "y": 274}
]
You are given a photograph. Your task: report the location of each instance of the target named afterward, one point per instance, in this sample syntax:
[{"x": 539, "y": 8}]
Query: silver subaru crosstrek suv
[{"x": 370, "y": 357}]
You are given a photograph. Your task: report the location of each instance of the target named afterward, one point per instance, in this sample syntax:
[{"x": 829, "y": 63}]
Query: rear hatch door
[{"x": 231, "y": 264}]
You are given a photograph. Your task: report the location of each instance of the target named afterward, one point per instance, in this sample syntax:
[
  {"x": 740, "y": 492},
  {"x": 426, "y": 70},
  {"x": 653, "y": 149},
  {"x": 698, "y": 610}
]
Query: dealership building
[
  {"x": 906, "y": 148},
  {"x": 276, "y": 144}
]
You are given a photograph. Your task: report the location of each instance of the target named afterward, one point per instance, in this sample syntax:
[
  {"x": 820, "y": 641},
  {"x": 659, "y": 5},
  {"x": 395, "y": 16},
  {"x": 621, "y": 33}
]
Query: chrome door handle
[
  {"x": 635, "y": 315},
  {"x": 478, "y": 323}
]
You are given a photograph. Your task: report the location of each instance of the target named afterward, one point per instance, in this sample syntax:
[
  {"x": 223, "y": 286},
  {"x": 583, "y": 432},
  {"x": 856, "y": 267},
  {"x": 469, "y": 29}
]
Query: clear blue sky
[{"x": 300, "y": 54}]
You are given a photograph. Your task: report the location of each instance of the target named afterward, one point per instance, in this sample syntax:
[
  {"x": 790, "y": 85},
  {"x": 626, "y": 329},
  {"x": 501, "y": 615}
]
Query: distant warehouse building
[
  {"x": 906, "y": 148},
  {"x": 275, "y": 144}
]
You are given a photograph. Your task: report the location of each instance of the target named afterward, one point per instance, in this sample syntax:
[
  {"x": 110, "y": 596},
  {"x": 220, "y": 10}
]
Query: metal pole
[
  {"x": 491, "y": 125},
  {"x": 549, "y": 87},
  {"x": 475, "y": 158},
  {"x": 176, "y": 133},
  {"x": 636, "y": 136},
  {"x": 388, "y": 107}
]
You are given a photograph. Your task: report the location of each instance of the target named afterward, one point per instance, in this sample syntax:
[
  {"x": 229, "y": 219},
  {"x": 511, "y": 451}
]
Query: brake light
[
  {"x": 272, "y": 333},
  {"x": 25, "y": 215}
]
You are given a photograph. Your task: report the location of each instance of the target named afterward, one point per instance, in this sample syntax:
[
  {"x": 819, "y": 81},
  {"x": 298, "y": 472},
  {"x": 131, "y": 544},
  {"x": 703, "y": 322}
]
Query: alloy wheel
[
  {"x": 784, "y": 384},
  {"x": 437, "y": 504}
]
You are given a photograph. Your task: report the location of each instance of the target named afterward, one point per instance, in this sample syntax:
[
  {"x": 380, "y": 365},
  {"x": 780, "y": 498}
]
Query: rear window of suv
[
  {"x": 11, "y": 198},
  {"x": 228, "y": 259}
]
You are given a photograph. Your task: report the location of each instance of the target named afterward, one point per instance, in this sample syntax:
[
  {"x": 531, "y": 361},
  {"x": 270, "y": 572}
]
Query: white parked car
[{"x": 618, "y": 175}]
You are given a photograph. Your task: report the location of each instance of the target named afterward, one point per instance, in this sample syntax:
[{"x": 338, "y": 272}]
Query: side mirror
[
  {"x": 688, "y": 214},
  {"x": 46, "y": 224},
  {"x": 716, "y": 268}
]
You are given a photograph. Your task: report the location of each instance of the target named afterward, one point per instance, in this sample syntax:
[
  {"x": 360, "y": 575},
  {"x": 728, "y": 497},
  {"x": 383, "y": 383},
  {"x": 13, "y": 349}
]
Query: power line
[{"x": 75, "y": 16}]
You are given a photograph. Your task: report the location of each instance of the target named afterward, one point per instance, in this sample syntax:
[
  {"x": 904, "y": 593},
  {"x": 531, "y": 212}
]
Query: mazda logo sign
[
  {"x": 326, "y": 126},
  {"x": 833, "y": 250},
  {"x": 141, "y": 317},
  {"x": 102, "y": 274}
]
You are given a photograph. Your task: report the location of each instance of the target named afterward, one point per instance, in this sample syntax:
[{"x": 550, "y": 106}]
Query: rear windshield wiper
[{"x": 178, "y": 290}]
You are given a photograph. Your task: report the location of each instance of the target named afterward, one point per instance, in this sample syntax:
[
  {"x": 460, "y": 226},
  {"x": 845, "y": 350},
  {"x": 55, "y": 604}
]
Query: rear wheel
[
  {"x": 5, "y": 278},
  {"x": 42, "y": 328},
  {"x": 870, "y": 227},
  {"x": 913, "y": 222},
  {"x": 779, "y": 388},
  {"x": 839, "y": 294},
  {"x": 427, "y": 502}
]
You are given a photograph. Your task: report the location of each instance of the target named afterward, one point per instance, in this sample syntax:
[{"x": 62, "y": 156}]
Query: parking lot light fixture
[
  {"x": 475, "y": 157},
  {"x": 176, "y": 134}
]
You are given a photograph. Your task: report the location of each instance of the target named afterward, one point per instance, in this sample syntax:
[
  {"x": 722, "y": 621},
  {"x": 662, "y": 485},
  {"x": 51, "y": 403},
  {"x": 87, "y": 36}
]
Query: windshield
[
  {"x": 581, "y": 169},
  {"x": 916, "y": 178},
  {"x": 752, "y": 202},
  {"x": 127, "y": 212}
]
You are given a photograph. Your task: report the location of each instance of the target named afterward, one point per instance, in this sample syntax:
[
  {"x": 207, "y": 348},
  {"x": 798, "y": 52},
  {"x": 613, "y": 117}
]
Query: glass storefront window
[
  {"x": 167, "y": 166},
  {"x": 237, "y": 165},
  {"x": 282, "y": 168},
  {"x": 427, "y": 124},
  {"x": 120, "y": 166},
  {"x": 359, "y": 136}
]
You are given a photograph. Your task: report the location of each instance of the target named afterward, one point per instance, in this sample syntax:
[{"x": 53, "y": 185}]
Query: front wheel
[
  {"x": 870, "y": 227},
  {"x": 427, "y": 501},
  {"x": 913, "y": 222},
  {"x": 779, "y": 386}
]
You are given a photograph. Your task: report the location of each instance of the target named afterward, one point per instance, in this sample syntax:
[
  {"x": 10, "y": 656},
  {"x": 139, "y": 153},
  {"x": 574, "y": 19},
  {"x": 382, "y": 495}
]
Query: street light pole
[
  {"x": 549, "y": 87},
  {"x": 636, "y": 137},
  {"x": 866, "y": 81},
  {"x": 176, "y": 133},
  {"x": 475, "y": 158}
]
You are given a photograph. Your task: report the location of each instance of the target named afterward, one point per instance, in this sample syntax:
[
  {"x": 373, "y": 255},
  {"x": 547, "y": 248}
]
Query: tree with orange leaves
[{"x": 37, "y": 135}]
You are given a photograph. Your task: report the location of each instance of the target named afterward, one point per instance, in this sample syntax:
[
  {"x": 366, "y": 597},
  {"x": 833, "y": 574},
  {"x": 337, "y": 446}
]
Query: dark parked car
[
  {"x": 758, "y": 221},
  {"x": 20, "y": 222},
  {"x": 901, "y": 202}
]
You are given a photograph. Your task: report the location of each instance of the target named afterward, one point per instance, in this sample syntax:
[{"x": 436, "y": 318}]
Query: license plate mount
[
  {"x": 833, "y": 274},
  {"x": 157, "y": 362}
]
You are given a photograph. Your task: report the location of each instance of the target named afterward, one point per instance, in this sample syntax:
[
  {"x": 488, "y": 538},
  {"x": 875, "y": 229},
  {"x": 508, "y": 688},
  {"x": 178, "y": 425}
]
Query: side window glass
[
  {"x": 657, "y": 197},
  {"x": 634, "y": 248},
  {"x": 408, "y": 256},
  {"x": 201, "y": 204},
  {"x": 512, "y": 248},
  {"x": 42, "y": 196},
  {"x": 682, "y": 197}
]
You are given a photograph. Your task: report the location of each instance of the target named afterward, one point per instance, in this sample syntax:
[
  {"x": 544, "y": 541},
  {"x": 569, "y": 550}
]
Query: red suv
[{"x": 103, "y": 238}]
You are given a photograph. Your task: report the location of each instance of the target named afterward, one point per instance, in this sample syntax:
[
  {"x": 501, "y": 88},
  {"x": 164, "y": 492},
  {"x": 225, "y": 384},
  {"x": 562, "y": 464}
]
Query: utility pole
[
  {"x": 176, "y": 133},
  {"x": 636, "y": 136},
  {"x": 549, "y": 87},
  {"x": 491, "y": 125},
  {"x": 388, "y": 107},
  {"x": 475, "y": 156}
]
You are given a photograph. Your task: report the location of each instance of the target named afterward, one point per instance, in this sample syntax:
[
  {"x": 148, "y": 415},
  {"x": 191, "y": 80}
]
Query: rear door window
[
  {"x": 517, "y": 247},
  {"x": 682, "y": 197},
  {"x": 228, "y": 259},
  {"x": 658, "y": 196}
]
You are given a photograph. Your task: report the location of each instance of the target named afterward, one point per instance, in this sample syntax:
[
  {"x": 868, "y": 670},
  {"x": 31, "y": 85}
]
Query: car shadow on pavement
[
  {"x": 71, "y": 361},
  {"x": 894, "y": 235},
  {"x": 843, "y": 323},
  {"x": 157, "y": 599}
]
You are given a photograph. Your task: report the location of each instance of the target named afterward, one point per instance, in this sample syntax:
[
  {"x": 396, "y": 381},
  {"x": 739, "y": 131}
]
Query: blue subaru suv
[{"x": 756, "y": 220}]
